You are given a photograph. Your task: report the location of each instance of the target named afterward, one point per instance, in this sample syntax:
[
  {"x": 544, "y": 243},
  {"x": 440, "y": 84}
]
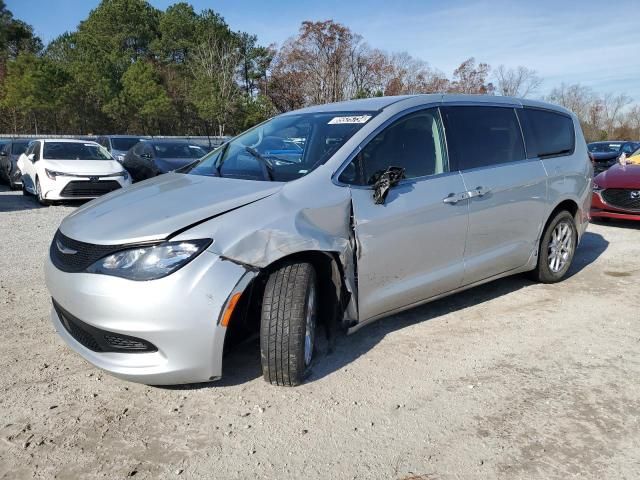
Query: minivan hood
[
  {"x": 83, "y": 167},
  {"x": 158, "y": 207}
]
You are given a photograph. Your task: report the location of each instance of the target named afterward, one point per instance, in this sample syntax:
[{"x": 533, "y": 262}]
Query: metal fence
[{"x": 211, "y": 142}]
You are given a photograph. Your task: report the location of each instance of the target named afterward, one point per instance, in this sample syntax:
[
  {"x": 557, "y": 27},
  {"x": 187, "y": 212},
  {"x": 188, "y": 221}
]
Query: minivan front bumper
[{"x": 178, "y": 315}]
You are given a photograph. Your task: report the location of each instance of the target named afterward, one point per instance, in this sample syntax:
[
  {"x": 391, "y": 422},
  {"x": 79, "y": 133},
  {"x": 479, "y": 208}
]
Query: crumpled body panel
[{"x": 280, "y": 225}]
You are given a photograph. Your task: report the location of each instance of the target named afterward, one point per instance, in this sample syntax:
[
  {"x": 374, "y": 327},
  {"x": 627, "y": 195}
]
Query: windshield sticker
[
  {"x": 614, "y": 145},
  {"x": 352, "y": 119}
]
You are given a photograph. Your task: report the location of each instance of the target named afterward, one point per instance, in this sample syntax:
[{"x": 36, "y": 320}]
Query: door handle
[
  {"x": 478, "y": 192},
  {"x": 454, "y": 198}
]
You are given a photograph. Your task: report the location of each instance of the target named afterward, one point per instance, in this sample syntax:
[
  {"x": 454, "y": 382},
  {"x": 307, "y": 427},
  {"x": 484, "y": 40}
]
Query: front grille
[
  {"x": 626, "y": 199},
  {"x": 86, "y": 188},
  {"x": 86, "y": 254},
  {"x": 98, "y": 340}
]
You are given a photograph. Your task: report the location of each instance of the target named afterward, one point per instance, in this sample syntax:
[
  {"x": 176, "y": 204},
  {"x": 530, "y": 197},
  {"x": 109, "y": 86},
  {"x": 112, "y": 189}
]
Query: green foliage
[
  {"x": 143, "y": 103},
  {"x": 130, "y": 67}
]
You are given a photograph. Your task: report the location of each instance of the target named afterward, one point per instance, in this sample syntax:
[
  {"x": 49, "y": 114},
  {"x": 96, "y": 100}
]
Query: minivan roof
[{"x": 376, "y": 104}]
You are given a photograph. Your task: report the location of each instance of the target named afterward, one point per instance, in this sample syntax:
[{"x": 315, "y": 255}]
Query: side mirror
[
  {"x": 387, "y": 179},
  {"x": 31, "y": 157}
]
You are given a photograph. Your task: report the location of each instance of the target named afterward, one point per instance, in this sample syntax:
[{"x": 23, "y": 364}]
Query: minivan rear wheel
[
  {"x": 288, "y": 324},
  {"x": 557, "y": 249}
]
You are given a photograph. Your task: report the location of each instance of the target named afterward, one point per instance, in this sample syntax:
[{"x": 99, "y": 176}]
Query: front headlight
[
  {"x": 124, "y": 174},
  {"x": 149, "y": 263},
  {"x": 52, "y": 174}
]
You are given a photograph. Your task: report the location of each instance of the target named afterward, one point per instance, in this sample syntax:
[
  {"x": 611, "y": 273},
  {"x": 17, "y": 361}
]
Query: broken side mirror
[{"x": 387, "y": 179}]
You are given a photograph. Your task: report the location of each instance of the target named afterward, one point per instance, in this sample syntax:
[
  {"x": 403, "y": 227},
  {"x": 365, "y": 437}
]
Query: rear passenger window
[
  {"x": 482, "y": 136},
  {"x": 547, "y": 133},
  {"x": 414, "y": 142}
]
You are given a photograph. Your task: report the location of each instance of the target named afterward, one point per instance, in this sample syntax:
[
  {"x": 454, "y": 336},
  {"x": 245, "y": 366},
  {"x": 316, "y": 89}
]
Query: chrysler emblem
[
  {"x": 65, "y": 250},
  {"x": 635, "y": 194}
]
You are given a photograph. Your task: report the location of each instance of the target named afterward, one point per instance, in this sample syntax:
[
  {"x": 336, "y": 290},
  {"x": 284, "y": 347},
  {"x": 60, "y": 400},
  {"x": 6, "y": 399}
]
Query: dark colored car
[
  {"x": 605, "y": 154},
  {"x": 9, "y": 154},
  {"x": 149, "y": 158},
  {"x": 616, "y": 193},
  {"x": 119, "y": 145}
]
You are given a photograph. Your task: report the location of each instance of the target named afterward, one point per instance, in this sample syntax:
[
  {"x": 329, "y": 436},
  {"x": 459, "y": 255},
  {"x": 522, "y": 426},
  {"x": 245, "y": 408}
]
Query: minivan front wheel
[
  {"x": 557, "y": 249},
  {"x": 288, "y": 324}
]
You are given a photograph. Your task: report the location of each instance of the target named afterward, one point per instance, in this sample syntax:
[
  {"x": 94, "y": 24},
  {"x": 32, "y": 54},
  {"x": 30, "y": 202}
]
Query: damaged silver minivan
[{"x": 338, "y": 214}]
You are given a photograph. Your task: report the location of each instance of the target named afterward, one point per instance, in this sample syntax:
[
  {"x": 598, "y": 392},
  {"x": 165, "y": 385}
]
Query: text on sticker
[{"x": 352, "y": 119}]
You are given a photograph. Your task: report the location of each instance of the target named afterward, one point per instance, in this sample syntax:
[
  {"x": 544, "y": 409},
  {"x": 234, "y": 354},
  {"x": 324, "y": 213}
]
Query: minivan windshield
[
  {"x": 75, "y": 151},
  {"x": 283, "y": 148}
]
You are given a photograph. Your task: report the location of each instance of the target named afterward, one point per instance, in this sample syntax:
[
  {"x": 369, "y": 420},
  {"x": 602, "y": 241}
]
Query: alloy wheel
[{"x": 560, "y": 247}]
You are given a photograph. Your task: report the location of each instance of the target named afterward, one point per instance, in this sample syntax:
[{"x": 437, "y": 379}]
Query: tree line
[{"x": 132, "y": 68}]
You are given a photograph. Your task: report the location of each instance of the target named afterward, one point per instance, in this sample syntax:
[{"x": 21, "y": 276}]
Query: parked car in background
[
  {"x": 616, "y": 193},
  {"x": 61, "y": 169},
  {"x": 149, "y": 158},
  {"x": 605, "y": 154},
  {"x": 634, "y": 158},
  {"x": 119, "y": 145},
  {"x": 9, "y": 154},
  {"x": 387, "y": 203}
]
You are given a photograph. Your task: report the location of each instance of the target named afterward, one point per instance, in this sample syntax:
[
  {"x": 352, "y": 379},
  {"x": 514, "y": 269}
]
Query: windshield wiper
[
  {"x": 265, "y": 161},
  {"x": 281, "y": 159}
]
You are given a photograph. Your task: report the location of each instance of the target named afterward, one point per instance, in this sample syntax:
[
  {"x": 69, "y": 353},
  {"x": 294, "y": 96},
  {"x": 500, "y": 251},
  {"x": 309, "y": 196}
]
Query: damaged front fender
[{"x": 302, "y": 217}]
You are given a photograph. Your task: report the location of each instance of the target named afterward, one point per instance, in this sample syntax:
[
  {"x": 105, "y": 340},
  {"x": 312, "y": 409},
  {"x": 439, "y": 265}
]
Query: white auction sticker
[{"x": 352, "y": 119}]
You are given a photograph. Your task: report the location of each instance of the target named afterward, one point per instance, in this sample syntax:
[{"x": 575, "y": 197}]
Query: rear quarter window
[
  {"x": 482, "y": 136},
  {"x": 547, "y": 133}
]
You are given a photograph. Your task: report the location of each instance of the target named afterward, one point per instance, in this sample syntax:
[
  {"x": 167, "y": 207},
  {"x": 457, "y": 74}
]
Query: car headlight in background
[
  {"x": 149, "y": 263},
  {"x": 52, "y": 174},
  {"x": 124, "y": 174},
  {"x": 596, "y": 187}
]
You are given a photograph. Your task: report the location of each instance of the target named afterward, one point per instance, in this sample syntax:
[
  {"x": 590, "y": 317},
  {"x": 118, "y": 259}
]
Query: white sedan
[{"x": 61, "y": 169}]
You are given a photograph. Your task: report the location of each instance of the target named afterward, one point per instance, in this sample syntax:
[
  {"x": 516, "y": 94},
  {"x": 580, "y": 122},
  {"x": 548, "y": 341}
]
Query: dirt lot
[{"x": 510, "y": 380}]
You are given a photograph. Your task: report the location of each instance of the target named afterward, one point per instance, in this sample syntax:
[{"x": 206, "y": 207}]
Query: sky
[{"x": 590, "y": 42}]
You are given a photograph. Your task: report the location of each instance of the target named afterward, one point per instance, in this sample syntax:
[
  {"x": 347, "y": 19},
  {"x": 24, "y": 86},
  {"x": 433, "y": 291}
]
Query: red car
[{"x": 616, "y": 193}]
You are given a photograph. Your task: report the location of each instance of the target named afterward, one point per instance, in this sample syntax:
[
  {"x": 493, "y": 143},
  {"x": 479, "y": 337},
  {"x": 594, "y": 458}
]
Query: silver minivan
[{"x": 337, "y": 215}]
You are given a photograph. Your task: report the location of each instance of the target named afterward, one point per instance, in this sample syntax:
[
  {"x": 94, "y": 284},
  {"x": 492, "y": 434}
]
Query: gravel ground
[{"x": 509, "y": 380}]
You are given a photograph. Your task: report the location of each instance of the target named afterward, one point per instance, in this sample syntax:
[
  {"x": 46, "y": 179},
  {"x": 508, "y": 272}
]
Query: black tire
[
  {"x": 289, "y": 293},
  {"x": 12, "y": 185},
  {"x": 544, "y": 272},
  {"x": 41, "y": 199}
]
